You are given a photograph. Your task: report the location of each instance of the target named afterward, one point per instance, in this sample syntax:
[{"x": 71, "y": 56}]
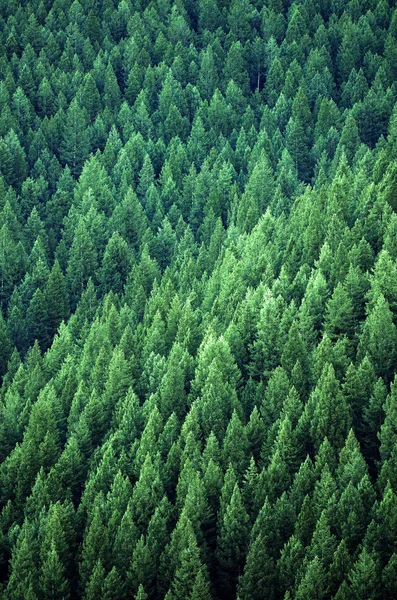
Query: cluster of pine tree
[{"x": 198, "y": 299}]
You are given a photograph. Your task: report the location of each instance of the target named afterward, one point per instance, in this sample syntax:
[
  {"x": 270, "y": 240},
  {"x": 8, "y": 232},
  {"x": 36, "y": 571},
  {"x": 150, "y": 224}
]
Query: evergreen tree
[
  {"x": 198, "y": 299},
  {"x": 36, "y": 317},
  {"x": 82, "y": 263},
  {"x": 53, "y": 581},
  {"x": 95, "y": 585},
  {"x": 57, "y": 300},
  {"x": 389, "y": 578},
  {"x": 232, "y": 544},
  {"x": 90, "y": 98},
  {"x": 74, "y": 148},
  {"x": 6, "y": 348},
  {"x": 115, "y": 265},
  {"x": 258, "y": 576},
  {"x": 201, "y": 588},
  {"x": 387, "y": 433},
  {"x": 189, "y": 567},
  {"x": 363, "y": 577},
  {"x": 312, "y": 585},
  {"x": 23, "y": 578},
  {"x": 329, "y": 414},
  {"x": 379, "y": 339}
]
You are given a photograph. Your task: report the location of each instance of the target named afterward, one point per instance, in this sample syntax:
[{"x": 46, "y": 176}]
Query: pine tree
[
  {"x": 209, "y": 16},
  {"x": 339, "y": 315},
  {"x": 235, "y": 68},
  {"x": 75, "y": 144},
  {"x": 232, "y": 544},
  {"x": 94, "y": 552},
  {"x": 379, "y": 339},
  {"x": 53, "y": 582},
  {"x": 56, "y": 298},
  {"x": 312, "y": 585},
  {"x": 387, "y": 434},
  {"x": 90, "y": 98},
  {"x": 201, "y": 587},
  {"x": 389, "y": 578},
  {"x": 147, "y": 493},
  {"x": 111, "y": 90},
  {"x": 95, "y": 584},
  {"x": 274, "y": 82},
  {"x": 18, "y": 158},
  {"x": 9, "y": 265},
  {"x": 208, "y": 76},
  {"x": 327, "y": 412},
  {"x": 363, "y": 577},
  {"x": 115, "y": 265},
  {"x": 36, "y": 317},
  {"x": 113, "y": 586},
  {"x": 189, "y": 567},
  {"x": 298, "y": 147},
  {"x": 235, "y": 445},
  {"x": 82, "y": 263},
  {"x": 23, "y": 577},
  {"x": 45, "y": 98},
  {"x": 266, "y": 347},
  {"x": 239, "y": 19},
  {"x": 5, "y": 347},
  {"x": 259, "y": 573}
]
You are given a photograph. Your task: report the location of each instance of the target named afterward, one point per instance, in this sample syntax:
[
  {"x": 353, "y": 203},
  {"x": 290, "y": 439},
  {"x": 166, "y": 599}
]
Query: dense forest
[{"x": 198, "y": 293}]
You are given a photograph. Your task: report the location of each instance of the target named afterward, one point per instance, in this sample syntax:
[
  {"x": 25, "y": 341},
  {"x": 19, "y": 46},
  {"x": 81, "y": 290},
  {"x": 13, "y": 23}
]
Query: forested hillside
[{"x": 198, "y": 292}]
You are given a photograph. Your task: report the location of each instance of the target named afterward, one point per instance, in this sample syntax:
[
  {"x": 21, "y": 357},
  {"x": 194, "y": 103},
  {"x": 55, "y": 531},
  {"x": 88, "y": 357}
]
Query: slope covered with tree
[{"x": 198, "y": 292}]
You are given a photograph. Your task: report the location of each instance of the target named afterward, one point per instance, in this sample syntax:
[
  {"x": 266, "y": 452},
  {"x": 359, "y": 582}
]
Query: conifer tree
[
  {"x": 329, "y": 413},
  {"x": 6, "y": 348},
  {"x": 95, "y": 584},
  {"x": 90, "y": 98},
  {"x": 198, "y": 299},
  {"x": 53, "y": 581},
  {"x": 232, "y": 544},
  {"x": 57, "y": 300},
  {"x": 387, "y": 433},
  {"x": 258, "y": 577},
  {"x": 82, "y": 263},
  {"x": 75, "y": 143},
  {"x": 389, "y": 578},
  {"x": 115, "y": 265},
  {"x": 379, "y": 339},
  {"x": 312, "y": 585},
  {"x": 23, "y": 579},
  {"x": 363, "y": 577},
  {"x": 188, "y": 570}
]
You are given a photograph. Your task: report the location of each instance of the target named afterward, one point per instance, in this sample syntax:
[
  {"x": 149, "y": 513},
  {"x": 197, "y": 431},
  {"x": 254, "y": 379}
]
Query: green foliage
[
  {"x": 198, "y": 301},
  {"x": 232, "y": 544},
  {"x": 75, "y": 142}
]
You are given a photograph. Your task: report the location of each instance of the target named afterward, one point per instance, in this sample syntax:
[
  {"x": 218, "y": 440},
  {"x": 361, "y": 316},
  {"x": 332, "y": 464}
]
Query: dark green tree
[
  {"x": 74, "y": 149},
  {"x": 232, "y": 544}
]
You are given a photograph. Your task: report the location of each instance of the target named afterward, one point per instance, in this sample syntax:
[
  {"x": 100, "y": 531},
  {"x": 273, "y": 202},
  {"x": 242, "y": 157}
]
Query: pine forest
[{"x": 198, "y": 300}]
